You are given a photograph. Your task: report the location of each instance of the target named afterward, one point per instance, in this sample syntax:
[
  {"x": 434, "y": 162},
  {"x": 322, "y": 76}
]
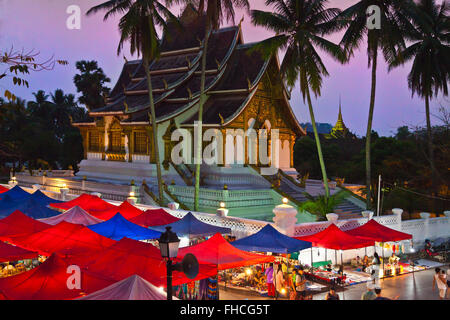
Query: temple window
[
  {"x": 116, "y": 141},
  {"x": 140, "y": 143},
  {"x": 94, "y": 141}
]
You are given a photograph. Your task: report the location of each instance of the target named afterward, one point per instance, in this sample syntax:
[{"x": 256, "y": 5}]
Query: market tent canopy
[
  {"x": 131, "y": 288},
  {"x": 374, "y": 231},
  {"x": 87, "y": 202},
  {"x": 126, "y": 209},
  {"x": 75, "y": 215},
  {"x": 19, "y": 224},
  {"x": 118, "y": 227},
  {"x": 49, "y": 282},
  {"x": 32, "y": 208},
  {"x": 16, "y": 193},
  {"x": 42, "y": 199},
  {"x": 190, "y": 227},
  {"x": 128, "y": 257},
  {"x": 66, "y": 237},
  {"x": 218, "y": 251},
  {"x": 336, "y": 239},
  {"x": 268, "y": 239},
  {"x": 154, "y": 217},
  {"x": 3, "y": 189},
  {"x": 12, "y": 253}
]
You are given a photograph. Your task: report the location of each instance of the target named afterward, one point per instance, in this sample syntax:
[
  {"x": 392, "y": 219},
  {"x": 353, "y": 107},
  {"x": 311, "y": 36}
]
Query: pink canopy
[
  {"x": 336, "y": 239},
  {"x": 126, "y": 209},
  {"x": 154, "y": 217},
  {"x": 374, "y": 231},
  {"x": 75, "y": 215},
  {"x": 131, "y": 288},
  {"x": 218, "y": 251}
]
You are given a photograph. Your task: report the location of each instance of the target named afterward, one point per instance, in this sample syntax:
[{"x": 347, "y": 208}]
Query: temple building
[
  {"x": 244, "y": 91},
  {"x": 339, "y": 130}
]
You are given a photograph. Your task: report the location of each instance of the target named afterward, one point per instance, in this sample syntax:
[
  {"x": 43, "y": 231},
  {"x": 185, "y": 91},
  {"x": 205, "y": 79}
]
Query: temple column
[{"x": 291, "y": 148}]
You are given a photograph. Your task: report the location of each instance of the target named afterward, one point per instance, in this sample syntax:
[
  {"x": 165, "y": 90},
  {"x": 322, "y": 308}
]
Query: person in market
[
  {"x": 258, "y": 278},
  {"x": 393, "y": 259},
  {"x": 365, "y": 263},
  {"x": 279, "y": 280},
  {"x": 380, "y": 297},
  {"x": 269, "y": 281},
  {"x": 332, "y": 295},
  {"x": 440, "y": 281},
  {"x": 376, "y": 267},
  {"x": 300, "y": 284},
  {"x": 370, "y": 293}
]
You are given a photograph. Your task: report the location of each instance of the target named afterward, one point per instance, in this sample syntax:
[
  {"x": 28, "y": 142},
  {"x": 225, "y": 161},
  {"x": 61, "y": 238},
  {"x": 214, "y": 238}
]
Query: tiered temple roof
[{"x": 234, "y": 72}]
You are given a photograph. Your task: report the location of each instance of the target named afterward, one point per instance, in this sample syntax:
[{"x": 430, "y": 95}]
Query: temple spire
[{"x": 339, "y": 130}]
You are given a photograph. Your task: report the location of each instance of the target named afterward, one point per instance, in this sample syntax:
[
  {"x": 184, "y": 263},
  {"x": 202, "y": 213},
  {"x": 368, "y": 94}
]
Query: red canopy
[
  {"x": 126, "y": 209},
  {"x": 85, "y": 201},
  {"x": 128, "y": 257},
  {"x": 3, "y": 189},
  {"x": 19, "y": 224},
  {"x": 154, "y": 217},
  {"x": 216, "y": 250},
  {"x": 336, "y": 239},
  {"x": 68, "y": 237},
  {"x": 12, "y": 253},
  {"x": 49, "y": 282},
  {"x": 374, "y": 231},
  {"x": 75, "y": 215}
]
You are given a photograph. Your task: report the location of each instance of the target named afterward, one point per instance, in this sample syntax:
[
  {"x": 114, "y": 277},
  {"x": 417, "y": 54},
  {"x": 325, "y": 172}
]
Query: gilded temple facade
[{"x": 244, "y": 91}]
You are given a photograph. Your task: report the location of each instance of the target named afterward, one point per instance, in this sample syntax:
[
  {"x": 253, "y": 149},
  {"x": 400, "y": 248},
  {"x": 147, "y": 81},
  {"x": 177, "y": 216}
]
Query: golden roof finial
[
  {"x": 222, "y": 121},
  {"x": 190, "y": 93},
  {"x": 165, "y": 84},
  {"x": 242, "y": 20},
  {"x": 126, "y": 105}
]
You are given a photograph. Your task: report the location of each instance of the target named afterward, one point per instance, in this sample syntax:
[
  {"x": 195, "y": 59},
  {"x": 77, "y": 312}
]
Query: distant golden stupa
[{"x": 339, "y": 130}]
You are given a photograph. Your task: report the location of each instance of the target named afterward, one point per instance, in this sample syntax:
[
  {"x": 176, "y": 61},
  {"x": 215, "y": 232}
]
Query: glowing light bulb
[
  {"x": 285, "y": 200},
  {"x": 222, "y": 205},
  {"x": 132, "y": 194},
  {"x": 248, "y": 272}
]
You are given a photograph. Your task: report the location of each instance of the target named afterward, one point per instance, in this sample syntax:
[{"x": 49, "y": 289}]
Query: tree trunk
[
  {"x": 198, "y": 151},
  {"x": 319, "y": 148},
  {"x": 155, "y": 130},
  {"x": 430, "y": 148},
  {"x": 369, "y": 130}
]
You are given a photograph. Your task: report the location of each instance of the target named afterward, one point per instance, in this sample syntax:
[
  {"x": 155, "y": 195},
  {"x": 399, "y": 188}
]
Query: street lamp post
[{"x": 168, "y": 244}]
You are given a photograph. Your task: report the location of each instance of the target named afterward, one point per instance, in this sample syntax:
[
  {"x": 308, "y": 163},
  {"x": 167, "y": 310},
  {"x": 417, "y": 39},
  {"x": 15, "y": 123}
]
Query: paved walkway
[{"x": 407, "y": 287}]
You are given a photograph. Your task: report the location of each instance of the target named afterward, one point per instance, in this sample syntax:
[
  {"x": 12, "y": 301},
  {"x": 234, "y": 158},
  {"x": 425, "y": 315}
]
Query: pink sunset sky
[{"x": 41, "y": 25}]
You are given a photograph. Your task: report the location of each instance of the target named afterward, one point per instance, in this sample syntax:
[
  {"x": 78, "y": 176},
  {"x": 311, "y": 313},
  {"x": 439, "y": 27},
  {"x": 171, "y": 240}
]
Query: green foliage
[
  {"x": 91, "y": 83},
  {"x": 322, "y": 205},
  {"x": 40, "y": 133}
]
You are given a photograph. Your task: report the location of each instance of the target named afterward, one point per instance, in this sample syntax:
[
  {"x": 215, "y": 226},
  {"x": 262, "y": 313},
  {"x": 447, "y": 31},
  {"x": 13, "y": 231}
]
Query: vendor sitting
[
  {"x": 365, "y": 263},
  {"x": 393, "y": 259},
  {"x": 356, "y": 262}
]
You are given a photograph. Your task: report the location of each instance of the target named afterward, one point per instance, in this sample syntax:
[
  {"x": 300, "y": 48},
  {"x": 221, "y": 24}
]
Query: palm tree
[
  {"x": 300, "y": 26},
  {"x": 322, "y": 205},
  {"x": 216, "y": 12},
  {"x": 388, "y": 39},
  {"x": 430, "y": 53},
  {"x": 138, "y": 26}
]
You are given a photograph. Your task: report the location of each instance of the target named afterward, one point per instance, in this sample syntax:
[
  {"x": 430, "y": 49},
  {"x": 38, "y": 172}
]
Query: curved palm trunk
[
  {"x": 369, "y": 129},
  {"x": 430, "y": 146},
  {"x": 319, "y": 148},
  {"x": 155, "y": 130},
  {"x": 198, "y": 151}
]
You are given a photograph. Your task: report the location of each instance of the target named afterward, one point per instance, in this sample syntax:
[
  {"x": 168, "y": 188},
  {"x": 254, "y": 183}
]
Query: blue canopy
[
  {"x": 118, "y": 227},
  {"x": 33, "y": 205},
  {"x": 15, "y": 193},
  {"x": 268, "y": 239},
  {"x": 190, "y": 227}
]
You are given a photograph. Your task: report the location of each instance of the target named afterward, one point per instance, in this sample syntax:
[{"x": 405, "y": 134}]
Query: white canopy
[
  {"x": 131, "y": 288},
  {"x": 75, "y": 215}
]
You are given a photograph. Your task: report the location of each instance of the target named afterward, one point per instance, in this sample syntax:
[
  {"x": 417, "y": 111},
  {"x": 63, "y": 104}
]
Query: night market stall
[
  {"x": 154, "y": 217},
  {"x": 118, "y": 227},
  {"x": 50, "y": 281},
  {"x": 129, "y": 257},
  {"x": 14, "y": 260},
  {"x": 383, "y": 235},
  {"x": 75, "y": 215},
  {"x": 335, "y": 239},
  {"x": 217, "y": 251}
]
